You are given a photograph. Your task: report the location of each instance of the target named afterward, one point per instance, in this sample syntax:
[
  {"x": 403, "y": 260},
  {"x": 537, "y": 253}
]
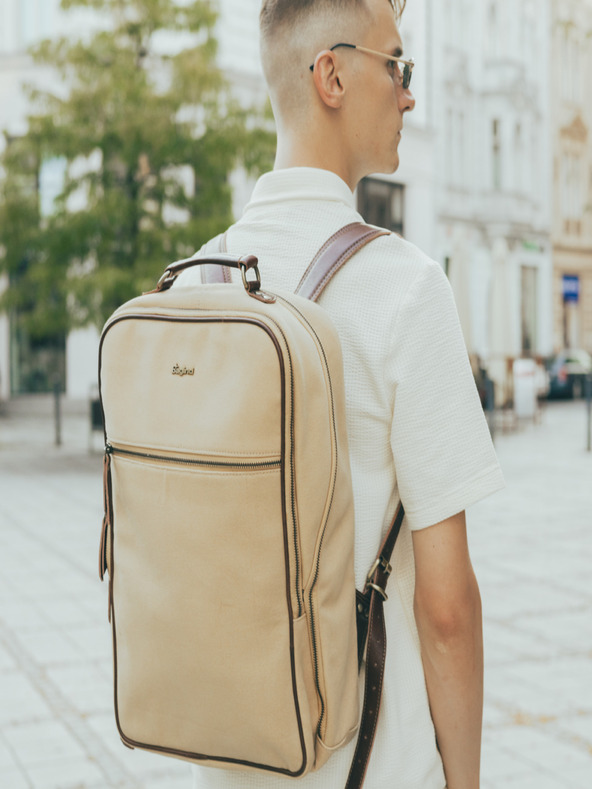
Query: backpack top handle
[{"x": 244, "y": 263}]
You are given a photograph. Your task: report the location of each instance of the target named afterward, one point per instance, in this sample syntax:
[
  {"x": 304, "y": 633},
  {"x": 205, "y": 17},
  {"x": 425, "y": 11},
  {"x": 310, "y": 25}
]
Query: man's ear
[{"x": 327, "y": 79}]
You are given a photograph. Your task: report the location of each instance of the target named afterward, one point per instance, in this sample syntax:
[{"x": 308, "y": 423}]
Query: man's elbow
[{"x": 450, "y": 616}]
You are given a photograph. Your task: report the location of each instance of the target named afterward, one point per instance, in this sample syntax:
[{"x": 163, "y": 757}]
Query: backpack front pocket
[{"x": 204, "y": 629}]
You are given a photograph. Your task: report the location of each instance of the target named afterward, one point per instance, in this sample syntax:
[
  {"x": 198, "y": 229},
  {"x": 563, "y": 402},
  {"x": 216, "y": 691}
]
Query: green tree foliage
[{"x": 148, "y": 140}]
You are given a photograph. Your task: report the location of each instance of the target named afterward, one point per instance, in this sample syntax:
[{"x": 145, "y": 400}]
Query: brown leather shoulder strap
[
  {"x": 375, "y": 595},
  {"x": 333, "y": 255}
]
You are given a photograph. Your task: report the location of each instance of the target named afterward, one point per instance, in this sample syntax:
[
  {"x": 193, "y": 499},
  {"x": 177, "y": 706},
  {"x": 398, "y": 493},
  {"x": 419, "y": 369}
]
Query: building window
[
  {"x": 382, "y": 203},
  {"x": 37, "y": 360},
  {"x": 496, "y": 154},
  {"x": 52, "y": 178},
  {"x": 37, "y": 364},
  {"x": 529, "y": 317},
  {"x": 572, "y": 56},
  {"x": 572, "y": 193},
  {"x": 461, "y": 156},
  {"x": 519, "y": 180},
  {"x": 492, "y": 39},
  {"x": 456, "y": 153}
]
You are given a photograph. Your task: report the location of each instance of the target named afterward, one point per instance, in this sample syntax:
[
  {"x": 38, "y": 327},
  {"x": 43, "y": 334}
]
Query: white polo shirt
[{"x": 415, "y": 426}]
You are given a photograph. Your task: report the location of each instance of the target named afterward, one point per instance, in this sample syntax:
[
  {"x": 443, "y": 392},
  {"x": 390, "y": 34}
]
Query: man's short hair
[
  {"x": 277, "y": 13},
  {"x": 292, "y": 34}
]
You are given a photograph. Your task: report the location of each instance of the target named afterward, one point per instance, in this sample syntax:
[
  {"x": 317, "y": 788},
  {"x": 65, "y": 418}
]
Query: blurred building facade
[
  {"x": 22, "y": 24},
  {"x": 474, "y": 188},
  {"x": 491, "y": 100},
  {"x": 571, "y": 85}
]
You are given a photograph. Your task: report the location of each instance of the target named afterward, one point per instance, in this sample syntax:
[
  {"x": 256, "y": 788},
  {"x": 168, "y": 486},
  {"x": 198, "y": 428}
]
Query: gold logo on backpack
[{"x": 178, "y": 370}]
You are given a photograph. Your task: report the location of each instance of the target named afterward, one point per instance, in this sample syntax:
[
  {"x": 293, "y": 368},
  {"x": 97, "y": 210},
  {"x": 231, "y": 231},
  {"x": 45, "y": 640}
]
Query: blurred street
[{"x": 532, "y": 551}]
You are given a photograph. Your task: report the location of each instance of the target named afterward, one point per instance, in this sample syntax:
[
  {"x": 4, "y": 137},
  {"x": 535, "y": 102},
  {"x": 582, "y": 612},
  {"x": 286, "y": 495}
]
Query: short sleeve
[{"x": 442, "y": 449}]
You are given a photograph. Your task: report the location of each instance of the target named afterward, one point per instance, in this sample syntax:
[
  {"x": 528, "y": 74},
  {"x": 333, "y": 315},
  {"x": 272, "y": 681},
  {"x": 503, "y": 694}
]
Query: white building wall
[
  {"x": 571, "y": 90},
  {"x": 82, "y": 351},
  {"x": 238, "y": 37},
  {"x": 493, "y": 206},
  {"x": 238, "y": 55}
]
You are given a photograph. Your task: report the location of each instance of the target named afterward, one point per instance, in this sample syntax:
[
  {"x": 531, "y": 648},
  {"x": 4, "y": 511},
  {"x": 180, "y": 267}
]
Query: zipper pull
[
  {"x": 106, "y": 516},
  {"x": 106, "y": 547},
  {"x": 103, "y": 549}
]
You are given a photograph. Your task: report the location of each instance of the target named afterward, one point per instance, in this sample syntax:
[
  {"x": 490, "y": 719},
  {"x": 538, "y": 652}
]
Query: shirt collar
[{"x": 300, "y": 183}]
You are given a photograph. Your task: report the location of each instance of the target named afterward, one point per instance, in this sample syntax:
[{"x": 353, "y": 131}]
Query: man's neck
[{"x": 313, "y": 154}]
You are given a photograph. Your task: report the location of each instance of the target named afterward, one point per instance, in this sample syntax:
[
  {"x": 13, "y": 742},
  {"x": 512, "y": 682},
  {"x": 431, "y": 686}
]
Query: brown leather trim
[
  {"x": 333, "y": 255},
  {"x": 196, "y": 756},
  {"x": 311, "y": 604},
  {"x": 105, "y": 526},
  {"x": 234, "y": 261},
  {"x": 111, "y": 543},
  {"x": 388, "y": 544},
  {"x": 375, "y": 660},
  {"x": 102, "y": 557},
  {"x": 334, "y": 238},
  {"x": 173, "y": 270},
  {"x": 362, "y": 616}
]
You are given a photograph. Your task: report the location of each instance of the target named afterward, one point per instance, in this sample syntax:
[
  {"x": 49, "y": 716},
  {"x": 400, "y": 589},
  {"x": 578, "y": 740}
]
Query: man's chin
[
  {"x": 393, "y": 165},
  {"x": 387, "y": 169}
]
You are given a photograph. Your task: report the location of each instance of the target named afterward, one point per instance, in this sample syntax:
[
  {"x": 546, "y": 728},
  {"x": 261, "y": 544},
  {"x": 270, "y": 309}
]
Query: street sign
[{"x": 571, "y": 287}]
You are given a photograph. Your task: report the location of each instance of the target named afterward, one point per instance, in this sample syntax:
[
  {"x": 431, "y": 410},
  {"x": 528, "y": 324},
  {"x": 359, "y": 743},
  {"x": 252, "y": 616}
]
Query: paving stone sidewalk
[{"x": 532, "y": 550}]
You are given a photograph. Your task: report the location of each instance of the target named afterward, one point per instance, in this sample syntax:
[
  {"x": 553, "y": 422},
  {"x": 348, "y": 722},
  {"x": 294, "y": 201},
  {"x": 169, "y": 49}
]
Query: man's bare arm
[{"x": 448, "y": 614}]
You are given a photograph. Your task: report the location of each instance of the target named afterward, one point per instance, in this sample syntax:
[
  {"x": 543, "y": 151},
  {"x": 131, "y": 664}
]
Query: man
[{"x": 416, "y": 429}]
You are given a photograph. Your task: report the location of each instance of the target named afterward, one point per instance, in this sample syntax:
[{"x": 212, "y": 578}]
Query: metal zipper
[
  {"x": 183, "y": 461},
  {"x": 311, "y": 610},
  {"x": 110, "y": 450}
]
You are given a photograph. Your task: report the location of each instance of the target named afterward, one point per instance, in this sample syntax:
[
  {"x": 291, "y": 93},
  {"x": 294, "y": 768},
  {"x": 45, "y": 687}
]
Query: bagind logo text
[{"x": 178, "y": 370}]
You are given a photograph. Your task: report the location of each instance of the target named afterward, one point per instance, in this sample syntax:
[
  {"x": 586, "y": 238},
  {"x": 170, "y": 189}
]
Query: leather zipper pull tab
[
  {"x": 103, "y": 566},
  {"x": 103, "y": 549}
]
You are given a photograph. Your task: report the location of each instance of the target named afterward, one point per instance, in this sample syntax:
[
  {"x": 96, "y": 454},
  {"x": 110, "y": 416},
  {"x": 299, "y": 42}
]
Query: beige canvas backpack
[{"x": 228, "y": 532}]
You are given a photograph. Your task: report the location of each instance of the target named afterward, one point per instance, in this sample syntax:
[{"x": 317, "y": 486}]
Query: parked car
[{"x": 567, "y": 373}]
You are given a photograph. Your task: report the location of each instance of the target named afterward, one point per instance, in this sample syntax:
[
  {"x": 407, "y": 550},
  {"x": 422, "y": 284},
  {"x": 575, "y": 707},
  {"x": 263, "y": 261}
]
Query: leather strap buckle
[
  {"x": 165, "y": 282},
  {"x": 380, "y": 564},
  {"x": 378, "y": 589},
  {"x": 253, "y": 285},
  {"x": 385, "y": 566}
]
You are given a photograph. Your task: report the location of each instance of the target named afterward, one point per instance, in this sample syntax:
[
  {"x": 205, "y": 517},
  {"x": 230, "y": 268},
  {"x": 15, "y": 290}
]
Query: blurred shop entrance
[{"x": 529, "y": 309}]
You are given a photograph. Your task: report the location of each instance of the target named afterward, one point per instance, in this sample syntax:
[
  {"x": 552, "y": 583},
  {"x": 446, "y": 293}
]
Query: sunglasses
[{"x": 404, "y": 74}]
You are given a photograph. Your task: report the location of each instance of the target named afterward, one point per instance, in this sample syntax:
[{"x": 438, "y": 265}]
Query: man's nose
[{"x": 406, "y": 100}]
